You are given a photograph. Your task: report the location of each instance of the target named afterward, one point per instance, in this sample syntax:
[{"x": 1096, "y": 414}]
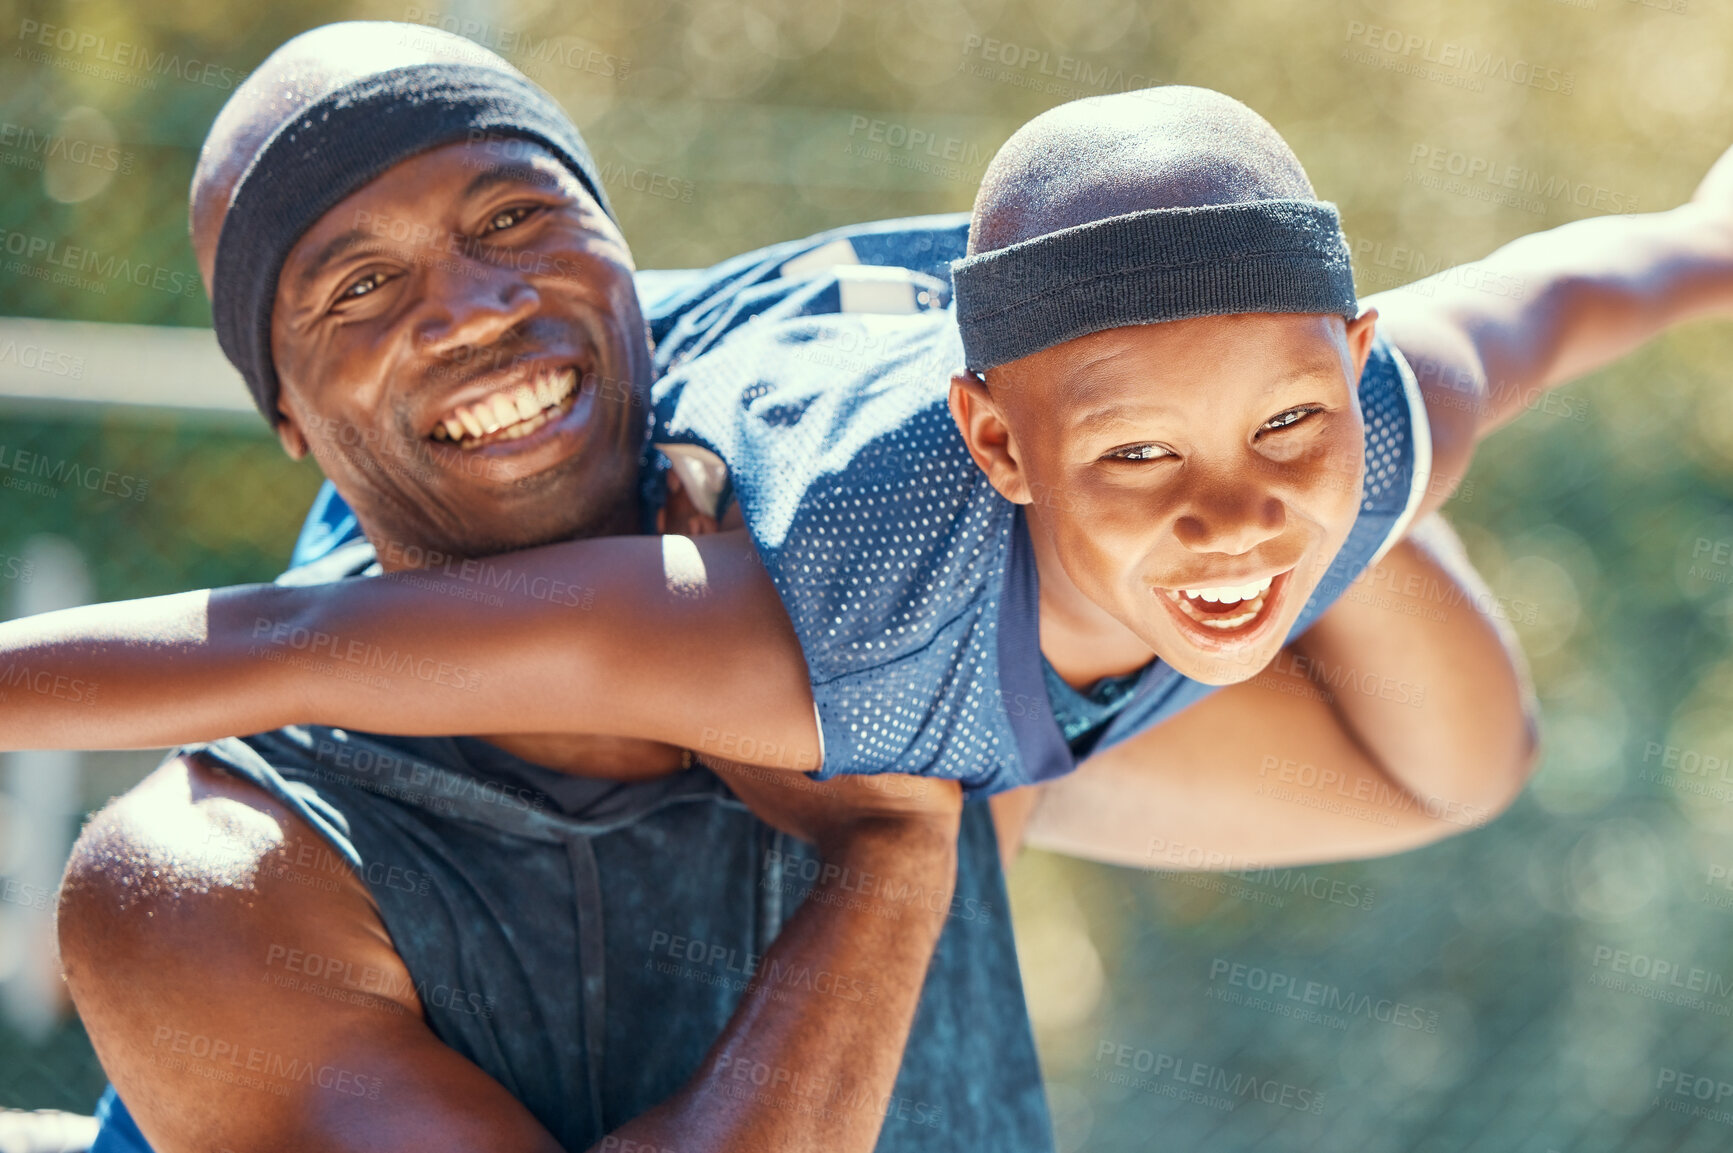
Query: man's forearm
[{"x": 809, "y": 1065}]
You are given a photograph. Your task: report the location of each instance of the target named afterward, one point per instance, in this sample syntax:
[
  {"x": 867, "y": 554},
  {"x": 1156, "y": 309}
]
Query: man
[{"x": 321, "y": 940}]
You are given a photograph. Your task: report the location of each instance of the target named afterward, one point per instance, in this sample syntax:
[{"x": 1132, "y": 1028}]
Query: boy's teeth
[
  {"x": 453, "y": 429},
  {"x": 470, "y": 424},
  {"x": 1229, "y": 594}
]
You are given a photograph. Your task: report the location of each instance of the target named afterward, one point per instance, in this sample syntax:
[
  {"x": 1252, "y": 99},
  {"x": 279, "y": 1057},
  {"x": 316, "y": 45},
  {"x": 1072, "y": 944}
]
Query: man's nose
[
  {"x": 1225, "y": 517},
  {"x": 471, "y": 303}
]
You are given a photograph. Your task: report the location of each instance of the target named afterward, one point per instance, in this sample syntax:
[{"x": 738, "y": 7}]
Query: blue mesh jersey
[{"x": 809, "y": 383}]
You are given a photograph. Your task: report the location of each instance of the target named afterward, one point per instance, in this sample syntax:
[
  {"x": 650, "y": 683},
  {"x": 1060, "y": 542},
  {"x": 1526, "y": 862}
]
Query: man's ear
[
  {"x": 989, "y": 440},
  {"x": 289, "y": 432},
  {"x": 1360, "y": 332}
]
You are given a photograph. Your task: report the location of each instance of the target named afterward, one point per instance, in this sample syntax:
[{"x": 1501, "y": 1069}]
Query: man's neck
[{"x": 1079, "y": 638}]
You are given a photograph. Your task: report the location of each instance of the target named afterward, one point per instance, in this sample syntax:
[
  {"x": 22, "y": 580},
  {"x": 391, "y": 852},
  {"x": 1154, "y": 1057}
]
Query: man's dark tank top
[{"x": 583, "y": 942}]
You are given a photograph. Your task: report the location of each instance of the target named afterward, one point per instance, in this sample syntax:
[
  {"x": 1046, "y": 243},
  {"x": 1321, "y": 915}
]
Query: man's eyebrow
[
  {"x": 512, "y": 172},
  {"x": 335, "y": 247}
]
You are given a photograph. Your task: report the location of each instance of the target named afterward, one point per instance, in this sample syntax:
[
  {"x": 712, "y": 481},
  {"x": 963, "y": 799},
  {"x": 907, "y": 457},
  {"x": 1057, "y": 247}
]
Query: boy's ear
[
  {"x": 1360, "y": 332},
  {"x": 988, "y": 437}
]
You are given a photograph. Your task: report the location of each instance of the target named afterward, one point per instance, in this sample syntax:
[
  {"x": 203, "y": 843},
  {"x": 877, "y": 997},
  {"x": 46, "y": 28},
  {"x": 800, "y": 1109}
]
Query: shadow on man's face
[{"x": 461, "y": 348}]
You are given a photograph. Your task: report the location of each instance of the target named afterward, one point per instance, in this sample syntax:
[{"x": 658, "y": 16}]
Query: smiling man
[{"x": 316, "y": 939}]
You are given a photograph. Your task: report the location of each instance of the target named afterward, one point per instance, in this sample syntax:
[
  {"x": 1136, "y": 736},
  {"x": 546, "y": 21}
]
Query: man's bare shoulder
[
  {"x": 189, "y": 842},
  {"x": 184, "y": 908}
]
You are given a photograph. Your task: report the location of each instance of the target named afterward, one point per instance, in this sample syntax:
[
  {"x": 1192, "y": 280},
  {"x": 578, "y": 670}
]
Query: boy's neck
[{"x": 1078, "y": 637}]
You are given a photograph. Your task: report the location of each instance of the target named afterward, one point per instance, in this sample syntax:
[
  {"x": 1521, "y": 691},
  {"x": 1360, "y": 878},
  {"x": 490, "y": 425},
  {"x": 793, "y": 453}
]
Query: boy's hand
[{"x": 829, "y": 813}]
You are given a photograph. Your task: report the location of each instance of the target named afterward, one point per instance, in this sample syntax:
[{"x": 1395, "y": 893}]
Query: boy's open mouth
[
  {"x": 512, "y": 412},
  {"x": 1227, "y": 610}
]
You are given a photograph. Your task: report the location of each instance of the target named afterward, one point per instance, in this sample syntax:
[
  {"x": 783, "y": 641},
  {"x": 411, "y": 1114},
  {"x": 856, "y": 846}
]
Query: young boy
[{"x": 1177, "y": 440}]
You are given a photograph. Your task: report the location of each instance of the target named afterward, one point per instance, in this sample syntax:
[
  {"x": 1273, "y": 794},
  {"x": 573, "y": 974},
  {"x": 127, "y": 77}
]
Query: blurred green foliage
[{"x": 723, "y": 125}]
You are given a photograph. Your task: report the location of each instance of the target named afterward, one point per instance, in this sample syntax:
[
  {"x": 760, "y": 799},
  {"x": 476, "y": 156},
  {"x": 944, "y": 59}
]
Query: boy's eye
[
  {"x": 1289, "y": 418},
  {"x": 1137, "y": 452}
]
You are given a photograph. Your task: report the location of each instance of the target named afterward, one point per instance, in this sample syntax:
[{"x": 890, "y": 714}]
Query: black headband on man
[
  {"x": 337, "y": 145},
  {"x": 1151, "y": 266}
]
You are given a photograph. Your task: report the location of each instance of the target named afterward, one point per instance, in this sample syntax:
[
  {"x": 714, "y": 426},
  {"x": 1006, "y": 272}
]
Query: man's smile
[{"x": 510, "y": 408}]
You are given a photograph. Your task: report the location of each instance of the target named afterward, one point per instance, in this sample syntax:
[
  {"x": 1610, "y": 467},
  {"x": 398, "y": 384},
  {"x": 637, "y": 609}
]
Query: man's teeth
[
  {"x": 1228, "y": 594},
  {"x": 514, "y": 413}
]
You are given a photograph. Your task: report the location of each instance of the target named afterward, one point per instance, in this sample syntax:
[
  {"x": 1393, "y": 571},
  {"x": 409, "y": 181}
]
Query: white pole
[{"x": 43, "y": 788}]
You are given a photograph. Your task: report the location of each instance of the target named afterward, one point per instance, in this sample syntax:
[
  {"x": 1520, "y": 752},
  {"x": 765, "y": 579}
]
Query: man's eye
[
  {"x": 1137, "y": 452},
  {"x": 1291, "y": 417},
  {"x": 505, "y": 218},
  {"x": 363, "y": 286}
]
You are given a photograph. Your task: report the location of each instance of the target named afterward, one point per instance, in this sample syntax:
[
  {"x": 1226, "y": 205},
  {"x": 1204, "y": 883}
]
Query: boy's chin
[{"x": 1229, "y": 667}]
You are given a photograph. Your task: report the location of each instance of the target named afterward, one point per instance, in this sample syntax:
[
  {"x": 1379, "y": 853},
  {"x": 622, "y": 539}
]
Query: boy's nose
[{"x": 1232, "y": 526}]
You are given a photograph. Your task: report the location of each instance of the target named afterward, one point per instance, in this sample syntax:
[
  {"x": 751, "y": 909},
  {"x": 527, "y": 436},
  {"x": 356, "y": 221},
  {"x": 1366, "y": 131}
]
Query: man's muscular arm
[
  {"x": 1403, "y": 716},
  {"x": 670, "y": 639},
  {"x": 179, "y": 892}
]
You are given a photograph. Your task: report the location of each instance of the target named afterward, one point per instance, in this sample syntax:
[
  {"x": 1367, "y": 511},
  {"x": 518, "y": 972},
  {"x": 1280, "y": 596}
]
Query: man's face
[
  {"x": 1194, "y": 479},
  {"x": 461, "y": 348}
]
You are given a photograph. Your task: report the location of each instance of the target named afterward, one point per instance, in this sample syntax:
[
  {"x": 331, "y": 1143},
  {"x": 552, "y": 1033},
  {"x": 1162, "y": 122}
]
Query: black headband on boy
[
  {"x": 1151, "y": 266},
  {"x": 340, "y": 143}
]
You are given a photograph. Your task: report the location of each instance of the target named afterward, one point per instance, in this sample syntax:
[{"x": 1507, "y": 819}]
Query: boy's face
[{"x": 1193, "y": 479}]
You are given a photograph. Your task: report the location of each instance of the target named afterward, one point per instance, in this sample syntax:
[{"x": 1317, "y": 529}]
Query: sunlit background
[{"x": 1602, "y": 519}]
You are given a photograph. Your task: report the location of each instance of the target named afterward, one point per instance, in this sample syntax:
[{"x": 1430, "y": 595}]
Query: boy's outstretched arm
[
  {"x": 671, "y": 638},
  {"x": 1487, "y": 340}
]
